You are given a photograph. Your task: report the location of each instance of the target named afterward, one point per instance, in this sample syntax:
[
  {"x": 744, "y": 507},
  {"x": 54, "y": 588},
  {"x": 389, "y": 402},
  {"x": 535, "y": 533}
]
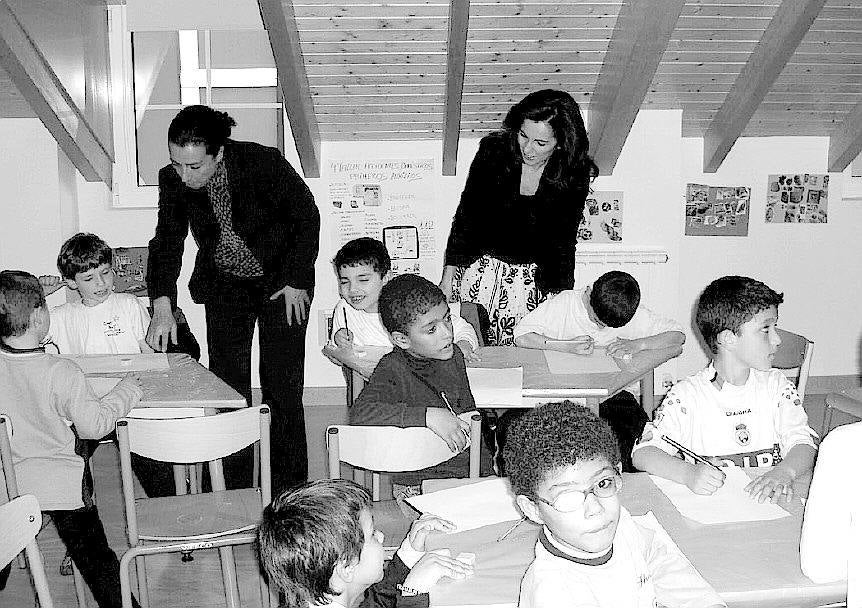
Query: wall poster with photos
[
  {"x": 800, "y": 198},
  {"x": 717, "y": 210},
  {"x": 603, "y": 218}
]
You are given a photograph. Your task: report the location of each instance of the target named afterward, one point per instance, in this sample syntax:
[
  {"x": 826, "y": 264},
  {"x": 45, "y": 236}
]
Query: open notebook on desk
[
  {"x": 497, "y": 386},
  {"x": 472, "y": 505},
  {"x": 729, "y": 504},
  {"x": 109, "y": 364}
]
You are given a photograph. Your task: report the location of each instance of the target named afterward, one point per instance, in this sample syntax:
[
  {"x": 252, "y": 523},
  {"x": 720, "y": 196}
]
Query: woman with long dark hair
[{"x": 513, "y": 236}]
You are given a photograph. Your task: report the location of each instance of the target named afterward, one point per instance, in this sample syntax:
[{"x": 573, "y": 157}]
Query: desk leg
[
  {"x": 593, "y": 404},
  {"x": 180, "y": 479},
  {"x": 648, "y": 393}
]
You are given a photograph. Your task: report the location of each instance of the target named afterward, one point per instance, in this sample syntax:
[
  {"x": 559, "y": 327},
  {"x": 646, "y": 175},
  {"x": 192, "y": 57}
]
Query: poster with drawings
[
  {"x": 717, "y": 210},
  {"x": 603, "y": 218},
  {"x": 389, "y": 200},
  {"x": 799, "y": 198}
]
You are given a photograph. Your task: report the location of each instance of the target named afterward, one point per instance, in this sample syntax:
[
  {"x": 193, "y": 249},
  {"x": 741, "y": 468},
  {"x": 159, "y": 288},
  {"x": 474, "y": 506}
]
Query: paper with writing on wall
[
  {"x": 471, "y": 506},
  {"x": 109, "y": 364},
  {"x": 566, "y": 363},
  {"x": 730, "y": 503},
  {"x": 497, "y": 387}
]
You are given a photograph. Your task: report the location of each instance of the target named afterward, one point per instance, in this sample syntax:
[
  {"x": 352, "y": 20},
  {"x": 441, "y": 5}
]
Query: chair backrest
[
  {"x": 391, "y": 449},
  {"x": 9, "y": 488},
  {"x": 794, "y": 353},
  {"x": 476, "y": 315},
  {"x": 20, "y": 522}
]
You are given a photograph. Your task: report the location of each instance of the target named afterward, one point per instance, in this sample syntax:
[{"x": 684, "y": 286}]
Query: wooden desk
[
  {"x": 749, "y": 564},
  {"x": 186, "y": 384},
  {"x": 540, "y": 385}
]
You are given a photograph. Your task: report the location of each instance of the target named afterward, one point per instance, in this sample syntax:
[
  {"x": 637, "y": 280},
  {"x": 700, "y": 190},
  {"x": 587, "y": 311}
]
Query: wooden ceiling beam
[
  {"x": 38, "y": 84},
  {"x": 640, "y": 38},
  {"x": 846, "y": 143},
  {"x": 459, "y": 17},
  {"x": 782, "y": 36},
  {"x": 279, "y": 20}
]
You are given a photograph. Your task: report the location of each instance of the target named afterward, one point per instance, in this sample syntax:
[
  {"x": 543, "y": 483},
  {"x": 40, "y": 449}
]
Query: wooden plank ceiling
[{"x": 379, "y": 70}]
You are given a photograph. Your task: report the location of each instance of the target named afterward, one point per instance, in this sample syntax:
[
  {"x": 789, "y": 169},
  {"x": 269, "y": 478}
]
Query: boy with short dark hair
[
  {"x": 103, "y": 322},
  {"x": 738, "y": 411},
  {"x": 41, "y": 392},
  {"x": 318, "y": 545},
  {"x": 564, "y": 466},
  {"x": 606, "y": 314},
  {"x": 358, "y": 337},
  {"x": 423, "y": 381}
]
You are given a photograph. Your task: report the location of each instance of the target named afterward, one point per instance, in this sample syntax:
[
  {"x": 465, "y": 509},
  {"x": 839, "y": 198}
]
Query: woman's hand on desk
[
  {"x": 433, "y": 566},
  {"x": 423, "y": 526},
  {"x": 451, "y": 429},
  {"x": 705, "y": 479}
]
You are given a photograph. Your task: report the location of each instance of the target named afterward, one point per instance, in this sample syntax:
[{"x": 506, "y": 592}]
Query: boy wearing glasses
[{"x": 564, "y": 466}]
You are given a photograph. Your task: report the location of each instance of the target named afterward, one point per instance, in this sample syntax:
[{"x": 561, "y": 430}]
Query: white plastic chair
[
  {"x": 388, "y": 449},
  {"x": 20, "y": 522},
  {"x": 193, "y": 521}
]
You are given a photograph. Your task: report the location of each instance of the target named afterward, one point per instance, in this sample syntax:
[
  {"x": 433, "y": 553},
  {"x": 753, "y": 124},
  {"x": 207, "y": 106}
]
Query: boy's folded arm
[
  {"x": 93, "y": 417},
  {"x": 666, "y": 339},
  {"x": 383, "y": 403}
]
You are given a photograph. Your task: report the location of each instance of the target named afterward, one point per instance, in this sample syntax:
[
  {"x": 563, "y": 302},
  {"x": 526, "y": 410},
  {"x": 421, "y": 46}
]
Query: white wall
[{"x": 814, "y": 265}]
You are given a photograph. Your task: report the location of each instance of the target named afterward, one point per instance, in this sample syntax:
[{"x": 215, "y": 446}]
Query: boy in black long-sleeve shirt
[{"x": 423, "y": 381}]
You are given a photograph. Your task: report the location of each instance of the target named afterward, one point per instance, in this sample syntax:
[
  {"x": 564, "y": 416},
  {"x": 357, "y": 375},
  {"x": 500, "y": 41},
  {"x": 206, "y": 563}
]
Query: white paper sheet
[
  {"x": 108, "y": 364},
  {"x": 497, "y": 387},
  {"x": 471, "y": 506},
  {"x": 566, "y": 363},
  {"x": 102, "y": 386},
  {"x": 730, "y": 503}
]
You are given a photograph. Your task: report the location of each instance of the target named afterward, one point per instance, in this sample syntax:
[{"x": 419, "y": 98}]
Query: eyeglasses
[{"x": 572, "y": 500}]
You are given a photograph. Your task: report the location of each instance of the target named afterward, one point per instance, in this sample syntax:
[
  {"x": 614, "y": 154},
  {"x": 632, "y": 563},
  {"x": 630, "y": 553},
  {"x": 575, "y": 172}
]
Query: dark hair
[
  {"x": 552, "y": 436},
  {"x": 570, "y": 162},
  {"x": 364, "y": 250},
  {"x": 615, "y": 297},
  {"x": 201, "y": 125},
  {"x": 82, "y": 252},
  {"x": 305, "y": 532},
  {"x": 728, "y": 302},
  {"x": 20, "y": 294},
  {"x": 404, "y": 298}
]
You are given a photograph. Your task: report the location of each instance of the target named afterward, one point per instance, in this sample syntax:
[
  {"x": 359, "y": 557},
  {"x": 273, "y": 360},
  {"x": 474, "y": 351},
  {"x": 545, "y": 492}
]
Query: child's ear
[
  {"x": 619, "y": 468},
  {"x": 385, "y": 278},
  {"x": 342, "y": 574},
  {"x": 529, "y": 508},
  {"x": 71, "y": 284},
  {"x": 400, "y": 340},
  {"x": 726, "y": 338}
]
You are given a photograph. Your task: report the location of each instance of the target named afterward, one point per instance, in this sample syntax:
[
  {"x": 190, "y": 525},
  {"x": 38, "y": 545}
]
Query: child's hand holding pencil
[{"x": 706, "y": 476}]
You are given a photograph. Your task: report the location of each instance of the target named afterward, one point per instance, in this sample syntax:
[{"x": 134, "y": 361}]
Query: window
[{"x": 156, "y": 73}]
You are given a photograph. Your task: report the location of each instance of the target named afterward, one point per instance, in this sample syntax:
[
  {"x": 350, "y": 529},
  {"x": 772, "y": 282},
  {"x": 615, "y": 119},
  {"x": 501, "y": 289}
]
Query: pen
[
  {"x": 449, "y": 406},
  {"x": 512, "y": 529},
  {"x": 347, "y": 329},
  {"x": 693, "y": 455}
]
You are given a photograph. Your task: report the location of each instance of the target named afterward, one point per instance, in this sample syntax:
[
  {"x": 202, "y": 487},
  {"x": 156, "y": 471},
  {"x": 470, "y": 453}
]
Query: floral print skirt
[{"x": 507, "y": 291}]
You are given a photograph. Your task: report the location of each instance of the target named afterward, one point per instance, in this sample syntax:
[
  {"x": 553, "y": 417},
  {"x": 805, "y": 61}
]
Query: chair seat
[
  {"x": 845, "y": 403},
  {"x": 198, "y": 516}
]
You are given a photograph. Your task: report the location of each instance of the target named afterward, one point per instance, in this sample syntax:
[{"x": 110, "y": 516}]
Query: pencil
[
  {"x": 347, "y": 329},
  {"x": 449, "y": 406},
  {"x": 693, "y": 455}
]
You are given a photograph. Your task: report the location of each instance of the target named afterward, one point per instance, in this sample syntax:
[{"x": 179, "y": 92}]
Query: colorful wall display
[
  {"x": 603, "y": 218},
  {"x": 800, "y": 198},
  {"x": 717, "y": 210}
]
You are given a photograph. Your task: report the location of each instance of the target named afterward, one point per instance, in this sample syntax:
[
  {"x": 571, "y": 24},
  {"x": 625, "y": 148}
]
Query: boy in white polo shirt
[{"x": 738, "y": 411}]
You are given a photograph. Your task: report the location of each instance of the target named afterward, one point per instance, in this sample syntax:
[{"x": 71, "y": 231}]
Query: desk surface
[
  {"x": 749, "y": 564},
  {"x": 538, "y": 378},
  {"x": 186, "y": 384}
]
